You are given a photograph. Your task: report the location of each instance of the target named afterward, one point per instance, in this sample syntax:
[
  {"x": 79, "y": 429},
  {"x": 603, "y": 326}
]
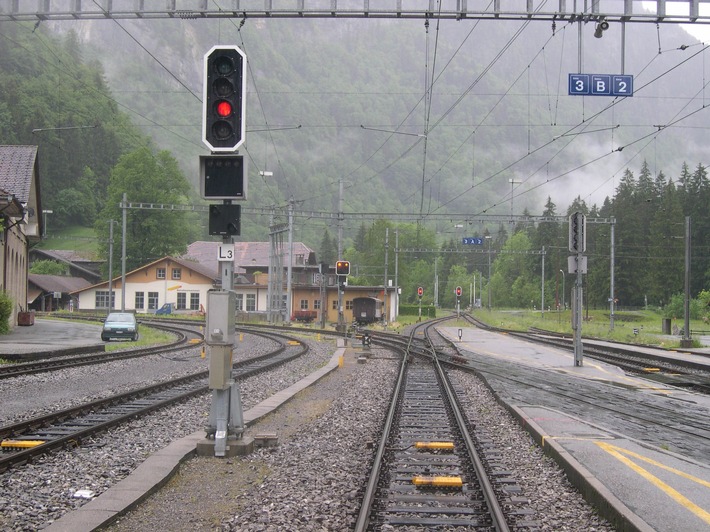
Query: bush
[
  {"x": 5, "y": 311},
  {"x": 676, "y": 308}
]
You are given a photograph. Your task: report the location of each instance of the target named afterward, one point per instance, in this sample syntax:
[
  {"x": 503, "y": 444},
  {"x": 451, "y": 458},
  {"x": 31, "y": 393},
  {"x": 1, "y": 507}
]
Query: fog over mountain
[{"x": 332, "y": 100}]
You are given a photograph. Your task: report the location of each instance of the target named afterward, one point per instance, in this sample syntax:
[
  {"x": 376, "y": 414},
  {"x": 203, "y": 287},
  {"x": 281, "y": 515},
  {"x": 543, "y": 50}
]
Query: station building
[
  {"x": 182, "y": 284},
  {"x": 20, "y": 223}
]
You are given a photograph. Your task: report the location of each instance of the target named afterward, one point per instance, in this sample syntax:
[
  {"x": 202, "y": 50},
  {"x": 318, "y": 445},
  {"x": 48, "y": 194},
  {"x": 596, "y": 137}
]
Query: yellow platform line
[{"x": 618, "y": 452}]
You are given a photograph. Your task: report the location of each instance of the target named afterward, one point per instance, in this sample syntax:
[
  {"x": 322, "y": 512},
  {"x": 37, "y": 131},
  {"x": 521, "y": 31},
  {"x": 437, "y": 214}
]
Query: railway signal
[
  {"x": 223, "y": 177},
  {"x": 342, "y": 267},
  {"x": 458, "y": 291},
  {"x": 224, "y": 102},
  {"x": 420, "y": 292},
  {"x": 577, "y": 233}
]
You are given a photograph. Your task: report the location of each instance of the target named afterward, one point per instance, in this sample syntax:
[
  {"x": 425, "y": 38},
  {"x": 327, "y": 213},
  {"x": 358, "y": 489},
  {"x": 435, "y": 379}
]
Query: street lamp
[
  {"x": 563, "y": 289},
  {"x": 489, "y": 237}
]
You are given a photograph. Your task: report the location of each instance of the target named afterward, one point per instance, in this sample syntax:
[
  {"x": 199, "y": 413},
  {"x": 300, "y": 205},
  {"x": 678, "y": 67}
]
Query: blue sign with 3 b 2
[
  {"x": 600, "y": 85},
  {"x": 473, "y": 240}
]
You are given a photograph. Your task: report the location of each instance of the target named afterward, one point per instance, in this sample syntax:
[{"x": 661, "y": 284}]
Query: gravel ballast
[{"x": 309, "y": 482}]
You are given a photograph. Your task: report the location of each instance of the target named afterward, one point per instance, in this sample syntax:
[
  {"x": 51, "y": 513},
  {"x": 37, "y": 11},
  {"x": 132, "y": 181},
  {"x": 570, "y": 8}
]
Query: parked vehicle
[
  {"x": 167, "y": 308},
  {"x": 120, "y": 325},
  {"x": 367, "y": 310}
]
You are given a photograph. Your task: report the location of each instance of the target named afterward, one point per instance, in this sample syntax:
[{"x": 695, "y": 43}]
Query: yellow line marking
[{"x": 618, "y": 452}]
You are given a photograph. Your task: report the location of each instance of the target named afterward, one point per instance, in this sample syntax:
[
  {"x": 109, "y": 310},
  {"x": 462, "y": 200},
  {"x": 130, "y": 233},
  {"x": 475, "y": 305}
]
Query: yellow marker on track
[
  {"x": 438, "y": 482},
  {"x": 435, "y": 445},
  {"x": 20, "y": 444}
]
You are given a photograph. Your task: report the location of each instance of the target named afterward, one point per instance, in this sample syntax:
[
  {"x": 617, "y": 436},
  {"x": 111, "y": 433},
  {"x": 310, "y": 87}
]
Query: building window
[
  {"x": 335, "y": 304},
  {"x": 349, "y": 304},
  {"x": 177, "y": 274},
  {"x": 181, "y": 301},
  {"x": 152, "y": 300},
  {"x": 194, "y": 301},
  {"x": 316, "y": 304},
  {"x": 240, "y": 302},
  {"x": 140, "y": 300},
  {"x": 304, "y": 304},
  {"x": 251, "y": 302},
  {"x": 102, "y": 299},
  {"x": 160, "y": 273}
]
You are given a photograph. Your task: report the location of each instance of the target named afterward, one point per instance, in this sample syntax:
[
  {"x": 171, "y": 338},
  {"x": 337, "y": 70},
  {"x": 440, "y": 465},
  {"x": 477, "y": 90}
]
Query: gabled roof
[
  {"x": 57, "y": 283},
  {"x": 246, "y": 254},
  {"x": 66, "y": 255},
  {"x": 17, "y": 166},
  {"x": 9, "y": 204},
  {"x": 189, "y": 264},
  {"x": 61, "y": 256}
]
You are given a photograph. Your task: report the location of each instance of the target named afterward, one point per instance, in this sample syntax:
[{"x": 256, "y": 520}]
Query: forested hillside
[
  {"x": 433, "y": 123},
  {"x": 90, "y": 151}
]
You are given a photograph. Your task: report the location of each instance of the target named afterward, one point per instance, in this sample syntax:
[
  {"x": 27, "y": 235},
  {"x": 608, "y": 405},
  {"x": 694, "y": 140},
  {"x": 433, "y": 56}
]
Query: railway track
[
  {"x": 22, "y": 442},
  {"x": 429, "y": 471},
  {"x": 183, "y": 337}
]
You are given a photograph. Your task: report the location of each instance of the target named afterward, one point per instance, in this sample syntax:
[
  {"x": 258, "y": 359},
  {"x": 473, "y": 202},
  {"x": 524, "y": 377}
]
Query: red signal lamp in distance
[
  {"x": 420, "y": 291},
  {"x": 458, "y": 291}
]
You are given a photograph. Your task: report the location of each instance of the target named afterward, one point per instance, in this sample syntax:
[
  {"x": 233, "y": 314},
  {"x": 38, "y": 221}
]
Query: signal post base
[{"x": 234, "y": 447}]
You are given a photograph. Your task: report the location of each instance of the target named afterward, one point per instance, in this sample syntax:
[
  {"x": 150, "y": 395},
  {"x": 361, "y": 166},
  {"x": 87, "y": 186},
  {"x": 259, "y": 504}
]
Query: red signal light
[
  {"x": 420, "y": 291},
  {"x": 458, "y": 291},
  {"x": 224, "y": 108}
]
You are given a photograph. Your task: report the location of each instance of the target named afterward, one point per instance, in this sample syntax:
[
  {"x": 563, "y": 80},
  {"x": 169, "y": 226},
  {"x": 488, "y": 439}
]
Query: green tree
[
  {"x": 512, "y": 283},
  {"x": 49, "y": 267},
  {"x": 666, "y": 265},
  {"x": 150, "y": 233},
  {"x": 50, "y": 98},
  {"x": 328, "y": 249},
  {"x": 5, "y": 312}
]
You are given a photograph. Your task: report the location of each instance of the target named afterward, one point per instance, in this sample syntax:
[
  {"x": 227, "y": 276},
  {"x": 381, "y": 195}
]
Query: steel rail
[
  {"x": 408, "y": 349},
  {"x": 99, "y": 357},
  {"x": 494, "y": 506},
  {"x": 245, "y": 368}
]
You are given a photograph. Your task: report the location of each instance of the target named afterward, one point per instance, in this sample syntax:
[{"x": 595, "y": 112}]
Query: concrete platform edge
[
  {"x": 160, "y": 467},
  {"x": 594, "y": 492}
]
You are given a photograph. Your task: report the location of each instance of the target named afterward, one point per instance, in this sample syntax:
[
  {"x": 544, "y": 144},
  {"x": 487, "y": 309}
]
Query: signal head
[
  {"x": 224, "y": 99},
  {"x": 342, "y": 267}
]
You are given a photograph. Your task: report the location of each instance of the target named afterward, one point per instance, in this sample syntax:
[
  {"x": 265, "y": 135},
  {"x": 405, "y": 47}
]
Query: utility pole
[
  {"x": 686, "y": 342},
  {"x": 341, "y": 288},
  {"x": 124, "y": 202},
  {"x": 289, "y": 305},
  {"x": 387, "y": 247},
  {"x": 542, "y": 302},
  {"x": 577, "y": 264},
  {"x": 110, "y": 265},
  {"x": 611, "y": 280}
]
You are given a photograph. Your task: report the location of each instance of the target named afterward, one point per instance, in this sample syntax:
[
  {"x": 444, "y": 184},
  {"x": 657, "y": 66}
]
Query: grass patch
[
  {"x": 146, "y": 336},
  {"x": 73, "y": 238},
  {"x": 638, "y": 327}
]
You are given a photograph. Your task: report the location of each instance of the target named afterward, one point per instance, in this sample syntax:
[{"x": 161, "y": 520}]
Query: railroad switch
[
  {"x": 438, "y": 482},
  {"x": 17, "y": 445},
  {"x": 435, "y": 445}
]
